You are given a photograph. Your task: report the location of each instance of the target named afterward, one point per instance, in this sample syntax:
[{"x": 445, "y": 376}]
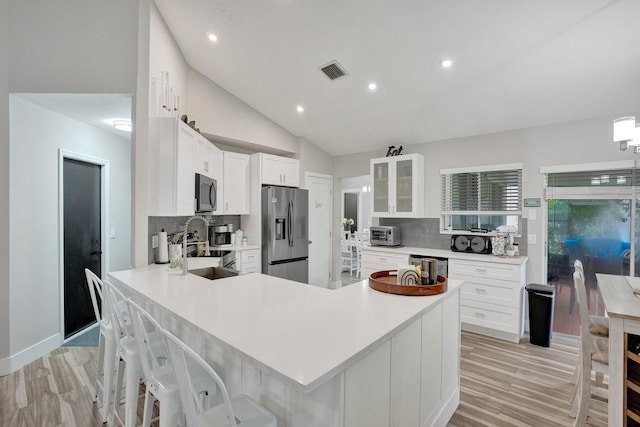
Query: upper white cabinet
[
  {"x": 207, "y": 158},
  {"x": 398, "y": 186},
  {"x": 171, "y": 173},
  {"x": 278, "y": 170},
  {"x": 236, "y": 190}
]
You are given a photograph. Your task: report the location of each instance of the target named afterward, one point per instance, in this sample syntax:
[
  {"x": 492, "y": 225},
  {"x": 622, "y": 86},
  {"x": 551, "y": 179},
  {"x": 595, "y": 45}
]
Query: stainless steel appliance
[
  {"x": 441, "y": 264},
  {"x": 285, "y": 233},
  {"x": 385, "y": 235},
  {"x": 221, "y": 236},
  {"x": 206, "y": 193}
]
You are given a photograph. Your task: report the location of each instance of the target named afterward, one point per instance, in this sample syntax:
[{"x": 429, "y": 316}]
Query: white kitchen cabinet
[
  {"x": 398, "y": 186},
  {"x": 248, "y": 261},
  {"x": 413, "y": 379},
  {"x": 492, "y": 297},
  {"x": 236, "y": 178},
  {"x": 172, "y": 178},
  {"x": 207, "y": 158},
  {"x": 277, "y": 170},
  {"x": 380, "y": 261}
]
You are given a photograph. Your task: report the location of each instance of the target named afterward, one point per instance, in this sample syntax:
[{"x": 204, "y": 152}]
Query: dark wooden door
[{"x": 82, "y": 241}]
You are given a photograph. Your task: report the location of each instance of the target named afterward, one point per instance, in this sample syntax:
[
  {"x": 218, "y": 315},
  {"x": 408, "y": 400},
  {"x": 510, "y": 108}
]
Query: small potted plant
[
  {"x": 347, "y": 223},
  {"x": 511, "y": 250}
]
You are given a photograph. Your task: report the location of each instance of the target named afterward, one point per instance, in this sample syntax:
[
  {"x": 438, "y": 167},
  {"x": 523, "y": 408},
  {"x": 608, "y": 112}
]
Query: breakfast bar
[{"x": 314, "y": 356}]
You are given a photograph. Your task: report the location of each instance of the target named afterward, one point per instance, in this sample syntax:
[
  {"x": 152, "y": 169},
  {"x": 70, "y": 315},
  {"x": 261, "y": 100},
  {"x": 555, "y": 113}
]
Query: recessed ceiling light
[
  {"x": 372, "y": 86},
  {"x": 124, "y": 125},
  {"x": 212, "y": 37},
  {"x": 446, "y": 63},
  {"x": 300, "y": 109}
]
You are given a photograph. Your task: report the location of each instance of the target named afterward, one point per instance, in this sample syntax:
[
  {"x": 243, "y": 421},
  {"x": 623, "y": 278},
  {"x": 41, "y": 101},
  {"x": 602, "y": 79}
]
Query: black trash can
[{"x": 541, "y": 302}]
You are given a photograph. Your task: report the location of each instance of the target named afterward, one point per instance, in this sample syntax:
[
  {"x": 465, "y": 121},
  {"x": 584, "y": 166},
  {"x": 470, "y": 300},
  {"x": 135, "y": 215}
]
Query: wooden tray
[{"x": 381, "y": 281}]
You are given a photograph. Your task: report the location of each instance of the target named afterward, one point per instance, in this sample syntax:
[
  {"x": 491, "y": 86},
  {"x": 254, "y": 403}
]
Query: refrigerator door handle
[{"x": 290, "y": 223}]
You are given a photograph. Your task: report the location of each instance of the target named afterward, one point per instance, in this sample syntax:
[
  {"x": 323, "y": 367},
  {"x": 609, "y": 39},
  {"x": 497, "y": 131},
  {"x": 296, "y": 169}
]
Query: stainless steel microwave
[{"x": 206, "y": 194}]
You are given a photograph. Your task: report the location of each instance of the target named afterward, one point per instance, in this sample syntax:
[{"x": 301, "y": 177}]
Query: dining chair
[
  {"x": 106, "y": 345},
  {"x": 348, "y": 254},
  {"x": 594, "y": 356},
  {"x": 225, "y": 411},
  {"x": 598, "y": 326}
]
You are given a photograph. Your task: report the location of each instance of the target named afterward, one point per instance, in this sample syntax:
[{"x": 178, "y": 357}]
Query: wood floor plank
[{"x": 503, "y": 384}]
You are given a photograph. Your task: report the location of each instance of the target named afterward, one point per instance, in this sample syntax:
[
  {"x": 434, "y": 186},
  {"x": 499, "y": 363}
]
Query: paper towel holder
[{"x": 163, "y": 248}]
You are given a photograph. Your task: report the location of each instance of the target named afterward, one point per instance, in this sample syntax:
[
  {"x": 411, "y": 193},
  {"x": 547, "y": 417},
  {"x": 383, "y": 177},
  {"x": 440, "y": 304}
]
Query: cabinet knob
[{"x": 481, "y": 291}]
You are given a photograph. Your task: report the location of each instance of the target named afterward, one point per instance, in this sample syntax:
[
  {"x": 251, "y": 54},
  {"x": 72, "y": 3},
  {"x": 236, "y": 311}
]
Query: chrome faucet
[{"x": 185, "y": 268}]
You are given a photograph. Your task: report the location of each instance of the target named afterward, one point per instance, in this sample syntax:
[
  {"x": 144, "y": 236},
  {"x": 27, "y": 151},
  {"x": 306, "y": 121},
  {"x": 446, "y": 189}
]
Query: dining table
[{"x": 623, "y": 308}]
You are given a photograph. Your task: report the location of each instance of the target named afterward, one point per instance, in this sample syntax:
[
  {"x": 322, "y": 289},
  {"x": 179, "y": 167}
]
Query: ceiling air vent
[{"x": 333, "y": 70}]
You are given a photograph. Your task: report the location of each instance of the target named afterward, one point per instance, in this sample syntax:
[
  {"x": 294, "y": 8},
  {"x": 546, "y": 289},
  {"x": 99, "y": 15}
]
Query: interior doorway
[
  {"x": 320, "y": 226},
  {"x": 82, "y": 217}
]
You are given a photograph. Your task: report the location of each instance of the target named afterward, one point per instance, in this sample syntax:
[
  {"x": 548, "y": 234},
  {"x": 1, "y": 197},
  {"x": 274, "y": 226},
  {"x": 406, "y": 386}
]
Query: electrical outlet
[
  {"x": 531, "y": 239},
  {"x": 154, "y": 241}
]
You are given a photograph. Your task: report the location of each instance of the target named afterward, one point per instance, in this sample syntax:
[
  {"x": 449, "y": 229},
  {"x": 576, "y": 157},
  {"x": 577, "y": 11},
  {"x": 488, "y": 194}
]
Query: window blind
[{"x": 492, "y": 191}]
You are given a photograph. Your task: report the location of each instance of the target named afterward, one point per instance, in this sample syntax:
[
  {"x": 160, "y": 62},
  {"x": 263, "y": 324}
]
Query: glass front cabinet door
[{"x": 398, "y": 186}]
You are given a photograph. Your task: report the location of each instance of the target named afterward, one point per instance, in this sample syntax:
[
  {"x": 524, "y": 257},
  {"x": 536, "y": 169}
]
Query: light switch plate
[
  {"x": 531, "y": 239},
  {"x": 113, "y": 232},
  {"x": 154, "y": 241}
]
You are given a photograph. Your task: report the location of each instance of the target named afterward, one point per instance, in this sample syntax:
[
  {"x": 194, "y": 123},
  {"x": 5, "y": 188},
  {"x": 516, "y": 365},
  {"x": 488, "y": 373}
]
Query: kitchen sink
[{"x": 213, "y": 273}]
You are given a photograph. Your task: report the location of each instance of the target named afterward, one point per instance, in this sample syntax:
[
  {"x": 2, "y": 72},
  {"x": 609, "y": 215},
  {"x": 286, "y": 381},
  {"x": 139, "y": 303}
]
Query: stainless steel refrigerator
[{"x": 285, "y": 233}]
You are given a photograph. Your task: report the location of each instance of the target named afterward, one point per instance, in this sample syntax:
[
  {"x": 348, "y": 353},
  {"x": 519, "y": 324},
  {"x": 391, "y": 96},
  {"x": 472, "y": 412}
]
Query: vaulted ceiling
[{"x": 516, "y": 64}]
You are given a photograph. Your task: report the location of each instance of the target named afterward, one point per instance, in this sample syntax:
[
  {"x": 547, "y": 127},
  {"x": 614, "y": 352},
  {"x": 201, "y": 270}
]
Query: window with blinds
[
  {"x": 599, "y": 184},
  {"x": 483, "y": 199}
]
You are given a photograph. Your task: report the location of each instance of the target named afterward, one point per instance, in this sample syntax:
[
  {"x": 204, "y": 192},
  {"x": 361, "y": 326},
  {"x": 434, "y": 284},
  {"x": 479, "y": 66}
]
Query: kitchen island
[{"x": 313, "y": 356}]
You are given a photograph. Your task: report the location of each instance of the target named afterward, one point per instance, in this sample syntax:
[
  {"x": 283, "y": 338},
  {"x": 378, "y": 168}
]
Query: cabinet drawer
[
  {"x": 249, "y": 257},
  {"x": 383, "y": 261},
  {"x": 492, "y": 292},
  {"x": 488, "y": 270},
  {"x": 490, "y": 316}
]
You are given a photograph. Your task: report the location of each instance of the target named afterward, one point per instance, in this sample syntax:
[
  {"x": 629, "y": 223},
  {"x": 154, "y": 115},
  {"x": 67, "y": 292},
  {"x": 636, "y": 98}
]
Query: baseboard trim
[
  {"x": 34, "y": 352},
  {"x": 5, "y": 366}
]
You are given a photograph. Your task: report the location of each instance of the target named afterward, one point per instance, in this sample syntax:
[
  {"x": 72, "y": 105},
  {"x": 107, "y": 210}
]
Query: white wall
[
  {"x": 35, "y": 291},
  {"x": 313, "y": 159},
  {"x": 584, "y": 141},
  {"x": 218, "y": 112},
  {"x": 164, "y": 55},
  {"x": 74, "y": 46},
  {"x": 5, "y": 320}
]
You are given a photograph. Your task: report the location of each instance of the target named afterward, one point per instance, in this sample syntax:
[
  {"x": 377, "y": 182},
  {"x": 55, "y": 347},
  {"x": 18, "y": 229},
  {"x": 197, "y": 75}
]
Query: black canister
[{"x": 429, "y": 271}]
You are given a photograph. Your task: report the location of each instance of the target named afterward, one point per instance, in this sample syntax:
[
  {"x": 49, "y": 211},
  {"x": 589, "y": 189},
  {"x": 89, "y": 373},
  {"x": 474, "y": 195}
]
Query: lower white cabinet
[
  {"x": 248, "y": 261},
  {"x": 492, "y": 301},
  {"x": 381, "y": 260},
  {"x": 414, "y": 378}
]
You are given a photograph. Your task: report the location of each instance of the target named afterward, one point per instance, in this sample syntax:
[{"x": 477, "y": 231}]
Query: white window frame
[{"x": 446, "y": 213}]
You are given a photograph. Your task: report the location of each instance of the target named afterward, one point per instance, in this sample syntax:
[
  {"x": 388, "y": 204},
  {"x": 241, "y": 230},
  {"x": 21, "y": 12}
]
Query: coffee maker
[{"x": 221, "y": 235}]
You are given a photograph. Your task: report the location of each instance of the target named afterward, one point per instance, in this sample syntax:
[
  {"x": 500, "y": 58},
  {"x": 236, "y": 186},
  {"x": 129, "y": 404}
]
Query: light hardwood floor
[{"x": 503, "y": 384}]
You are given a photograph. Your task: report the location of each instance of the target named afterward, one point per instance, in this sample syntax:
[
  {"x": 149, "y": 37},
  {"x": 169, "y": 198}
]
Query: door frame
[
  {"x": 307, "y": 176},
  {"x": 104, "y": 214},
  {"x": 351, "y": 191}
]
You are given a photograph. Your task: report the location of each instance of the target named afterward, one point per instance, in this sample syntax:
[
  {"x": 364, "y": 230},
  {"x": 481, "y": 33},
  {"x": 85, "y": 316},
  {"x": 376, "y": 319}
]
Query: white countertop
[
  {"x": 300, "y": 333},
  {"x": 446, "y": 253}
]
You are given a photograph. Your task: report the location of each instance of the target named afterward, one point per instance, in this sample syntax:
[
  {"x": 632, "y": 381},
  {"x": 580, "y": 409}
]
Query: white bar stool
[
  {"x": 106, "y": 346},
  {"x": 159, "y": 376},
  {"x": 240, "y": 410}
]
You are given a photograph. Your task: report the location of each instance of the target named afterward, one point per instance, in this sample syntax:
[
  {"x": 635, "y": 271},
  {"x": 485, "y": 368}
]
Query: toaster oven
[{"x": 385, "y": 235}]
